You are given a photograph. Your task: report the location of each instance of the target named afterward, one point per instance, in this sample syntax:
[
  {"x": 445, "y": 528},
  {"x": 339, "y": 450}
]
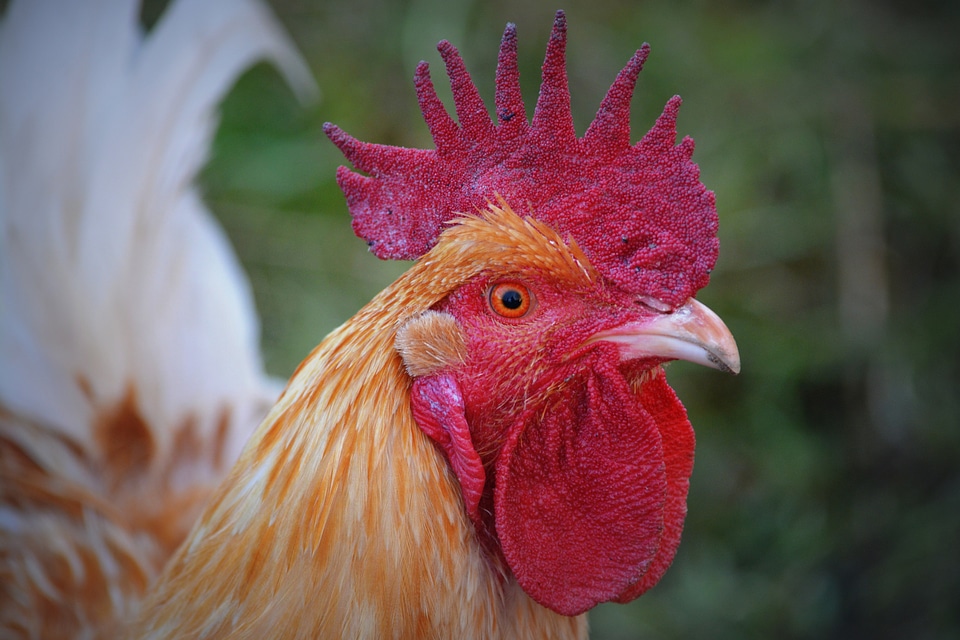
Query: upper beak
[{"x": 691, "y": 332}]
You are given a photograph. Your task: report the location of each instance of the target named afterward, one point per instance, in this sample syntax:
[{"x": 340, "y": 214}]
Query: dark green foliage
[{"x": 826, "y": 498}]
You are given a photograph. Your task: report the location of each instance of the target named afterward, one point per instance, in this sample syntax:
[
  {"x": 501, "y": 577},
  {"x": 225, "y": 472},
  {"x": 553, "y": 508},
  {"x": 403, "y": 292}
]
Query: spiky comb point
[{"x": 638, "y": 211}]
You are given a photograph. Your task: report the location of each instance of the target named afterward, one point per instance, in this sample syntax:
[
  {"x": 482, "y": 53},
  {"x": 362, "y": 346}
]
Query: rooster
[{"x": 489, "y": 448}]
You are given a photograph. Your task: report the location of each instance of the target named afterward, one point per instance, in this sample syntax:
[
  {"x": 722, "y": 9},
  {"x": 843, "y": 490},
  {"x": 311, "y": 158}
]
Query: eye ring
[{"x": 510, "y": 300}]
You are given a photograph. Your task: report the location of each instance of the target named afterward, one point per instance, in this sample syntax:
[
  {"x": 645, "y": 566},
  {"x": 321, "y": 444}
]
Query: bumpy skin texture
[
  {"x": 587, "y": 458},
  {"x": 573, "y": 464},
  {"x": 438, "y": 408},
  {"x": 638, "y": 211},
  {"x": 587, "y": 473}
]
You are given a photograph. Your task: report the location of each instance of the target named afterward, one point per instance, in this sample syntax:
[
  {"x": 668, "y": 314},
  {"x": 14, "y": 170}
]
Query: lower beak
[{"x": 691, "y": 332}]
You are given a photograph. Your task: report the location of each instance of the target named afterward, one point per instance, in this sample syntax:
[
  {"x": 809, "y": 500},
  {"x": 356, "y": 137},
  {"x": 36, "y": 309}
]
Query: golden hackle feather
[
  {"x": 341, "y": 519},
  {"x": 130, "y": 373}
]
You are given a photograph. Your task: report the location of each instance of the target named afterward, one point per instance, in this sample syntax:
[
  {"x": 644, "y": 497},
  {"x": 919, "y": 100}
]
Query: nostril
[{"x": 657, "y": 305}]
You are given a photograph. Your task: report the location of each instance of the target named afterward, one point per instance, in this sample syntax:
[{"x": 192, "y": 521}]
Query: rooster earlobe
[
  {"x": 438, "y": 409},
  {"x": 430, "y": 343}
]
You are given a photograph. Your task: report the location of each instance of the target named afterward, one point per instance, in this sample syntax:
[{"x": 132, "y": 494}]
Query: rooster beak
[{"x": 691, "y": 332}]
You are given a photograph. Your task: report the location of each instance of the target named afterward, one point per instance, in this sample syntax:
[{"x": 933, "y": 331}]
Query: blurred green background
[{"x": 826, "y": 497}]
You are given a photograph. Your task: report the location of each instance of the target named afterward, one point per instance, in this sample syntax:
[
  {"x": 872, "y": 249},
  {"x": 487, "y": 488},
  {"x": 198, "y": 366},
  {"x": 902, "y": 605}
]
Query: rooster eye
[{"x": 510, "y": 299}]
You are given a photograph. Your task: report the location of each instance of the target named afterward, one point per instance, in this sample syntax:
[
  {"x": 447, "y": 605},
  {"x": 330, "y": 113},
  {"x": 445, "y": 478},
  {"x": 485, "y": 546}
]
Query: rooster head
[{"x": 567, "y": 268}]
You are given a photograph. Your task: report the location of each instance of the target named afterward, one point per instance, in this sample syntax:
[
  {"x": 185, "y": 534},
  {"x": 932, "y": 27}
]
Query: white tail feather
[
  {"x": 111, "y": 271},
  {"x": 120, "y": 298}
]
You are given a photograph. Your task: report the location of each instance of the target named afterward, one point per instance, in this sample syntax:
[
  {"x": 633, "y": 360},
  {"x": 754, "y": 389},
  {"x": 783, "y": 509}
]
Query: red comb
[{"x": 639, "y": 211}]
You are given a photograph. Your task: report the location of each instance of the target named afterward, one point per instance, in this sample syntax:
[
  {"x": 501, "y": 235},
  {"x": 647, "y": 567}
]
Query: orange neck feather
[{"x": 341, "y": 519}]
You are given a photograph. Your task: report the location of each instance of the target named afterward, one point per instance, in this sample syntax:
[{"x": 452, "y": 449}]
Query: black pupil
[{"x": 511, "y": 299}]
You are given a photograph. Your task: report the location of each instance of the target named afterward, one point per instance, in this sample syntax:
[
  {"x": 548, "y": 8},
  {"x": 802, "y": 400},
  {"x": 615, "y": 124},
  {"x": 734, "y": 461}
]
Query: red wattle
[
  {"x": 676, "y": 433},
  {"x": 581, "y": 491}
]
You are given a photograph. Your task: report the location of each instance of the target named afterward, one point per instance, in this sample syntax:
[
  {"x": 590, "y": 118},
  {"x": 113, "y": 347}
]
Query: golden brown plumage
[{"x": 341, "y": 518}]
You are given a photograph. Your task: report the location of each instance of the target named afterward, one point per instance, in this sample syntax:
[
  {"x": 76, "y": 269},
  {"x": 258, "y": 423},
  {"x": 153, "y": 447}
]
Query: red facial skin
[{"x": 586, "y": 458}]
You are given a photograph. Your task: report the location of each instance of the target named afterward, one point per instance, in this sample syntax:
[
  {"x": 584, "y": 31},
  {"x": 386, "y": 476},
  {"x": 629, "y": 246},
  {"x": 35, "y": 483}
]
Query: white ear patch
[{"x": 430, "y": 342}]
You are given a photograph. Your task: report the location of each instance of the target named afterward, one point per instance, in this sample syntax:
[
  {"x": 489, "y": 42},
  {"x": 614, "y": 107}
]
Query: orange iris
[{"x": 510, "y": 299}]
